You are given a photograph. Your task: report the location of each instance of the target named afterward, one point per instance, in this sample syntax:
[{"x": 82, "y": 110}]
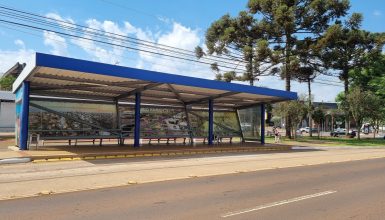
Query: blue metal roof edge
[{"x": 72, "y": 64}]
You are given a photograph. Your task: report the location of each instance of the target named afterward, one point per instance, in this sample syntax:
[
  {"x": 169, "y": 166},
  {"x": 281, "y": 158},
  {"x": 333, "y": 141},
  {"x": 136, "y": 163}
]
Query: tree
[
  {"x": 6, "y": 82},
  {"x": 242, "y": 40},
  {"x": 361, "y": 105},
  {"x": 296, "y": 110},
  {"x": 289, "y": 21},
  {"x": 347, "y": 47},
  {"x": 318, "y": 116},
  {"x": 372, "y": 78},
  {"x": 309, "y": 66},
  {"x": 376, "y": 112}
]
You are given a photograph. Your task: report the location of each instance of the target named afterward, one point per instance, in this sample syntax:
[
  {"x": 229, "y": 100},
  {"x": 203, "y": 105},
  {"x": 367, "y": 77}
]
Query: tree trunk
[
  {"x": 287, "y": 82},
  {"x": 346, "y": 91},
  {"x": 310, "y": 108},
  {"x": 374, "y": 132},
  {"x": 318, "y": 127}
]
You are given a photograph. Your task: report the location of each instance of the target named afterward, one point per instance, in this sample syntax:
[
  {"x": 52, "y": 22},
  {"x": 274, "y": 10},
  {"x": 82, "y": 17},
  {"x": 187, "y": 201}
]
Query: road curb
[
  {"x": 120, "y": 155},
  {"x": 15, "y": 160}
]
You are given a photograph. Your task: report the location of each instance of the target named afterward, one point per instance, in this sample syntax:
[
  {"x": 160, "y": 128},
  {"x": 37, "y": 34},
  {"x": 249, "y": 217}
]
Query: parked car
[
  {"x": 307, "y": 130},
  {"x": 342, "y": 131}
]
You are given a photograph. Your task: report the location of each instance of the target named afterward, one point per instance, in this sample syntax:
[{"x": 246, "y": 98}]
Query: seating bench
[
  {"x": 167, "y": 138},
  {"x": 92, "y": 139}
]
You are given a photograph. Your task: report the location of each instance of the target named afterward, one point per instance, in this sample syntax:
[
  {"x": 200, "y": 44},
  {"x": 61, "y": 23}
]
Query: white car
[{"x": 307, "y": 129}]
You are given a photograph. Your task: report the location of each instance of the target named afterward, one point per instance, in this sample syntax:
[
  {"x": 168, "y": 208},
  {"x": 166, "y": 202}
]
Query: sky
[{"x": 175, "y": 23}]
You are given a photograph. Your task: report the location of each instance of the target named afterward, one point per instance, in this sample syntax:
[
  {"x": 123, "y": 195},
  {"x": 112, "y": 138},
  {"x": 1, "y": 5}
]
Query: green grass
[{"x": 332, "y": 141}]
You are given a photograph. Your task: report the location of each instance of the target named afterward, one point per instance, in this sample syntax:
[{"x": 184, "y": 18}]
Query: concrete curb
[
  {"x": 120, "y": 155},
  {"x": 15, "y": 160}
]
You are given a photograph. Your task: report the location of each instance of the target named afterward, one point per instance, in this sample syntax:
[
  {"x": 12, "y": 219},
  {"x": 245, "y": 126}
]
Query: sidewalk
[
  {"x": 36, "y": 179},
  {"x": 82, "y": 152}
]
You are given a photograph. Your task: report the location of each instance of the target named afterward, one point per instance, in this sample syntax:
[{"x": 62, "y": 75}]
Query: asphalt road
[{"x": 348, "y": 190}]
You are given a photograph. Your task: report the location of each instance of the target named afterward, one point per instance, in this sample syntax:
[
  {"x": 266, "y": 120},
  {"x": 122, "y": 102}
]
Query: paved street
[
  {"x": 348, "y": 190},
  {"x": 34, "y": 179}
]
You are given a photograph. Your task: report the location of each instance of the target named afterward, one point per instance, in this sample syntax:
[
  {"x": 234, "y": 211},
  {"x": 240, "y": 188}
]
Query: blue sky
[{"x": 172, "y": 22}]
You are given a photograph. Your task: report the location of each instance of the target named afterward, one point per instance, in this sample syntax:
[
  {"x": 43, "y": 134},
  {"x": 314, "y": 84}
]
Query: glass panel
[
  {"x": 226, "y": 124},
  {"x": 199, "y": 122},
  {"x": 18, "y": 101},
  {"x": 72, "y": 118},
  {"x": 155, "y": 121},
  {"x": 250, "y": 119}
]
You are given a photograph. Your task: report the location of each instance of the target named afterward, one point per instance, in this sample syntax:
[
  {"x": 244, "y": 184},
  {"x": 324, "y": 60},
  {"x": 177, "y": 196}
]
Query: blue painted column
[
  {"x": 137, "y": 120},
  {"x": 24, "y": 117},
  {"x": 263, "y": 123},
  {"x": 211, "y": 122}
]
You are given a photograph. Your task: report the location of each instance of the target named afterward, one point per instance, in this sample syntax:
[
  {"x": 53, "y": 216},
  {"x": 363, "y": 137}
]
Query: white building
[{"x": 7, "y": 111}]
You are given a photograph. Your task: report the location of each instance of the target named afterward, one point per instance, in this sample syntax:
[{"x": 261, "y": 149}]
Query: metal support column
[
  {"x": 24, "y": 116},
  {"x": 211, "y": 122},
  {"x": 118, "y": 127},
  {"x": 137, "y": 120},
  {"x": 262, "y": 123},
  {"x": 189, "y": 125}
]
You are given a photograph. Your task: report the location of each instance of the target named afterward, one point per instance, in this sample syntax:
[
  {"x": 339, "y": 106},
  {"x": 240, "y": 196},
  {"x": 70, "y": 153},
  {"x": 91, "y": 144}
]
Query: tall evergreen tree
[
  {"x": 347, "y": 47},
  {"x": 288, "y": 21},
  {"x": 241, "y": 39}
]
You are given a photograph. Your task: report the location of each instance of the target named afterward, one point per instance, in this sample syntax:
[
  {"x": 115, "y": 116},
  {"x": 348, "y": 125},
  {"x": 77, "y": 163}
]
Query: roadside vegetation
[
  {"x": 301, "y": 41},
  {"x": 330, "y": 141}
]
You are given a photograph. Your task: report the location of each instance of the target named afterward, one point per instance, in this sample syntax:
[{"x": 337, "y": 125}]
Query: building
[{"x": 7, "y": 111}]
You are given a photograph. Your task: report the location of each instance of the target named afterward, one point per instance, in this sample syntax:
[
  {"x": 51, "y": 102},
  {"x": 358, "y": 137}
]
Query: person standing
[{"x": 276, "y": 135}]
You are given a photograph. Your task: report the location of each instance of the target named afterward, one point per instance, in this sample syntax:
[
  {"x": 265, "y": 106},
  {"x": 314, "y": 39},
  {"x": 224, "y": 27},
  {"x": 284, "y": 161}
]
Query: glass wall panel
[
  {"x": 250, "y": 120},
  {"x": 65, "y": 118},
  {"x": 225, "y": 123},
  {"x": 155, "y": 121},
  {"x": 18, "y": 101},
  {"x": 199, "y": 122}
]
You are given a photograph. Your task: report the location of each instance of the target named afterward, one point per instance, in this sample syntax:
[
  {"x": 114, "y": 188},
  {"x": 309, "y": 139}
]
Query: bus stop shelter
[{"x": 65, "y": 98}]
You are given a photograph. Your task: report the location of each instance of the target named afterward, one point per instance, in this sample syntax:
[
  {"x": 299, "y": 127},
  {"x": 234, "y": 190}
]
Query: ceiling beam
[
  {"x": 172, "y": 89},
  {"x": 83, "y": 80},
  {"x": 132, "y": 92},
  {"x": 213, "y": 97}
]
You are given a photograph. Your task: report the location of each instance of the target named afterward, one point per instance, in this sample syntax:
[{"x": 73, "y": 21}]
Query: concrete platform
[{"x": 90, "y": 152}]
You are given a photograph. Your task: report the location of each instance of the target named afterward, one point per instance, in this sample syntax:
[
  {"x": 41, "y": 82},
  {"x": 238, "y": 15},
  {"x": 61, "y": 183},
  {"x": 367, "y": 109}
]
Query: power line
[
  {"x": 138, "y": 41},
  {"x": 109, "y": 43},
  {"x": 74, "y": 28},
  {"x": 93, "y": 49}
]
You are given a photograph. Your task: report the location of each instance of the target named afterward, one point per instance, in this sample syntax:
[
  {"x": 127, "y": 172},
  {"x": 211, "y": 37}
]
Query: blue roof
[
  {"x": 62, "y": 77},
  {"x": 72, "y": 64}
]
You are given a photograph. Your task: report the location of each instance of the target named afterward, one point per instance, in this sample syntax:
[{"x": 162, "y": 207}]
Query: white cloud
[
  {"x": 377, "y": 13},
  {"x": 58, "y": 43},
  {"x": 65, "y": 23},
  {"x": 9, "y": 58},
  {"x": 325, "y": 93},
  {"x": 20, "y": 43},
  {"x": 115, "y": 36},
  {"x": 179, "y": 36}
]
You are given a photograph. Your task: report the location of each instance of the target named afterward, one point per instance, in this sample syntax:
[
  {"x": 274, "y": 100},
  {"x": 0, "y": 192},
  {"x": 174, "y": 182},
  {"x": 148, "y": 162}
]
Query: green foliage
[
  {"x": 362, "y": 104},
  {"x": 372, "y": 76},
  {"x": 241, "y": 39},
  {"x": 6, "y": 82},
  {"x": 346, "y": 47},
  {"x": 285, "y": 22},
  {"x": 295, "y": 110},
  {"x": 318, "y": 116}
]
